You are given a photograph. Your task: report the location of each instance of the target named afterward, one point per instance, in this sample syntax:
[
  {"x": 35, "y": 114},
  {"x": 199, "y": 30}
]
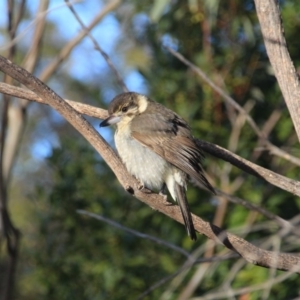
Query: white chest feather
[{"x": 148, "y": 167}]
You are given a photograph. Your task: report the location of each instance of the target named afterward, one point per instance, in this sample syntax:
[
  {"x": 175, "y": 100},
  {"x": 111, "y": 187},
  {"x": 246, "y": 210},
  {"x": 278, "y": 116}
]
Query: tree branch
[
  {"x": 22, "y": 93},
  {"x": 97, "y": 47},
  {"x": 248, "y": 251},
  {"x": 270, "y": 22},
  {"x": 66, "y": 50},
  {"x": 273, "y": 178},
  {"x": 273, "y": 149}
]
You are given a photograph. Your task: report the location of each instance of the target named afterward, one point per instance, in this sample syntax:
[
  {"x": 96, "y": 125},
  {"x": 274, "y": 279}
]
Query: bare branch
[
  {"x": 273, "y": 149},
  {"x": 245, "y": 290},
  {"x": 32, "y": 55},
  {"x": 280, "y": 181},
  {"x": 66, "y": 50},
  {"x": 8, "y": 231},
  {"x": 97, "y": 47},
  {"x": 17, "y": 113},
  {"x": 251, "y": 206},
  {"x": 21, "y": 93},
  {"x": 273, "y": 178},
  {"x": 134, "y": 232},
  {"x": 248, "y": 251},
  {"x": 216, "y": 88},
  {"x": 27, "y": 28},
  {"x": 185, "y": 267},
  {"x": 270, "y": 22}
]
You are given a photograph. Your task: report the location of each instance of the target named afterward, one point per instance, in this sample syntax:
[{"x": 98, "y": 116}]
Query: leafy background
[{"x": 67, "y": 255}]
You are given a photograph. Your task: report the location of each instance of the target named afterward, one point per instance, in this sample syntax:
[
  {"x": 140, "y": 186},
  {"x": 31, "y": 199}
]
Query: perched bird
[{"x": 157, "y": 147}]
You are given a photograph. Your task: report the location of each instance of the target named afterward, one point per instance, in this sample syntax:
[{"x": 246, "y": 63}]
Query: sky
[
  {"x": 108, "y": 30},
  {"x": 106, "y": 33}
]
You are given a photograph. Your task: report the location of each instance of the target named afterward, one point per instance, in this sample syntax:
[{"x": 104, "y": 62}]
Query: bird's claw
[
  {"x": 165, "y": 198},
  {"x": 143, "y": 189}
]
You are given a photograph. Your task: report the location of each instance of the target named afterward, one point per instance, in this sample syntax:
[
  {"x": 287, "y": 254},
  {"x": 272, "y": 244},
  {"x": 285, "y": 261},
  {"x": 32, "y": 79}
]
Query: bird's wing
[{"x": 169, "y": 136}]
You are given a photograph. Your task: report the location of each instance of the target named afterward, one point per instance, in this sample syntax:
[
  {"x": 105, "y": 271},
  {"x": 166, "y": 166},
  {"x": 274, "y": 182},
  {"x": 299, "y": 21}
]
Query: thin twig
[
  {"x": 97, "y": 47},
  {"x": 273, "y": 149},
  {"x": 185, "y": 267},
  {"x": 245, "y": 290},
  {"x": 66, "y": 50},
  {"x": 134, "y": 232},
  {"x": 254, "y": 207},
  {"x": 31, "y": 24},
  {"x": 278, "y": 180}
]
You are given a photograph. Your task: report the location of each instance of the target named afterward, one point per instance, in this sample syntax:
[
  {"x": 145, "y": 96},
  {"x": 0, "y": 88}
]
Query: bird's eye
[{"x": 124, "y": 109}]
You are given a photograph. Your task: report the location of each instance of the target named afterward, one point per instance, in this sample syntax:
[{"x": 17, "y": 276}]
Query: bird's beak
[{"x": 110, "y": 121}]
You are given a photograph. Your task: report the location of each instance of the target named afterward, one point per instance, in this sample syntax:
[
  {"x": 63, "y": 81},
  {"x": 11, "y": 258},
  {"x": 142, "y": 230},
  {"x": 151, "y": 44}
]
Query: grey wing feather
[{"x": 169, "y": 136}]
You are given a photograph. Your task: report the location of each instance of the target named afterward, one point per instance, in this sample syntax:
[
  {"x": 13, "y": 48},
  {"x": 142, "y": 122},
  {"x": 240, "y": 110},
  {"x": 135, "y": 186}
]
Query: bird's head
[{"x": 124, "y": 107}]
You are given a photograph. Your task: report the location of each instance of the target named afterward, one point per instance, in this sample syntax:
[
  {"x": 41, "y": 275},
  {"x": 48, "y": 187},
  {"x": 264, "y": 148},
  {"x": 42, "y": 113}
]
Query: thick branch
[
  {"x": 280, "y": 181},
  {"x": 248, "y": 251},
  {"x": 270, "y": 22},
  {"x": 21, "y": 93}
]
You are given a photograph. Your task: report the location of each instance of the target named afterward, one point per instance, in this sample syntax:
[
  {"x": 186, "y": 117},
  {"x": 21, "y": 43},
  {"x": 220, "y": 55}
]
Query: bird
[{"x": 157, "y": 147}]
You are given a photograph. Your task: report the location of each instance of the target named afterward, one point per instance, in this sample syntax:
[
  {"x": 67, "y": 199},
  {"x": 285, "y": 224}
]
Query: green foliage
[
  {"x": 66, "y": 255},
  {"x": 78, "y": 257}
]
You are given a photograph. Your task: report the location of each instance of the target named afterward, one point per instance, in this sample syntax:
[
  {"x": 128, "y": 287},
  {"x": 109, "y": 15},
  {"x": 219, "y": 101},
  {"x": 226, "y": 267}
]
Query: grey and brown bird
[{"x": 157, "y": 147}]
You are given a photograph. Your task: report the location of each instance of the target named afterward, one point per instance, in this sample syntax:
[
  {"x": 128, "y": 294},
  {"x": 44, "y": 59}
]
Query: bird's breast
[{"x": 148, "y": 167}]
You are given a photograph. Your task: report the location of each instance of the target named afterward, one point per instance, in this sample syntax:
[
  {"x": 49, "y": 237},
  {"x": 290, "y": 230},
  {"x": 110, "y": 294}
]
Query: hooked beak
[{"x": 110, "y": 121}]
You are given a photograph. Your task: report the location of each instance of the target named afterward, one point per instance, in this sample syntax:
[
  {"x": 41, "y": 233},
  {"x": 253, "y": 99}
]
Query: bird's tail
[{"x": 185, "y": 210}]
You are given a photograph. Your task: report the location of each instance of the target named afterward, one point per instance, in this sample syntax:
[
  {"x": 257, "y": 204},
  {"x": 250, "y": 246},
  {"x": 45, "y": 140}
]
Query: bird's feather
[
  {"x": 169, "y": 136},
  {"x": 185, "y": 211}
]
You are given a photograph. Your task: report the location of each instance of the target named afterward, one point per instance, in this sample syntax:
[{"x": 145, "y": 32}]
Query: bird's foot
[
  {"x": 143, "y": 189},
  {"x": 165, "y": 198}
]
